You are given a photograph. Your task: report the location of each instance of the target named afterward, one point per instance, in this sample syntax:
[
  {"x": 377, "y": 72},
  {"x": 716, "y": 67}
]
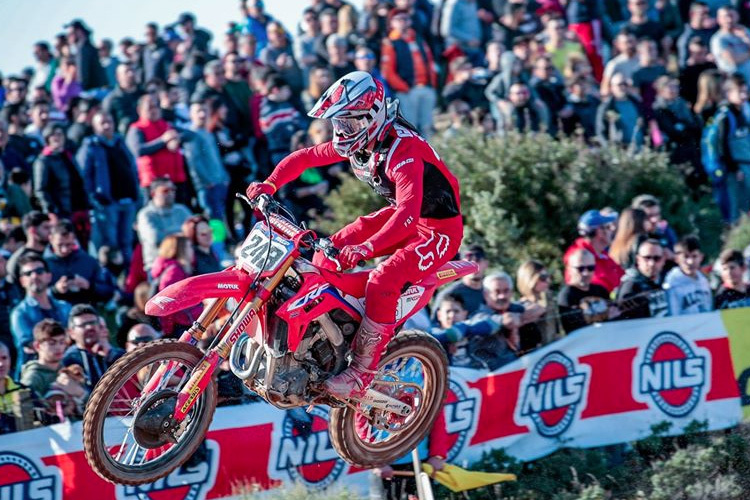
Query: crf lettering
[
  {"x": 296, "y": 450},
  {"x": 672, "y": 374},
  {"x": 552, "y": 394}
]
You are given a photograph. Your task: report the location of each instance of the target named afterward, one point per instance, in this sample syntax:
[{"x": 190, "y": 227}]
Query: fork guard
[{"x": 229, "y": 283}]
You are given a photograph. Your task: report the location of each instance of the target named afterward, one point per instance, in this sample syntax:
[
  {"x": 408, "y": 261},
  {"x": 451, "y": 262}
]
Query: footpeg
[{"x": 381, "y": 401}]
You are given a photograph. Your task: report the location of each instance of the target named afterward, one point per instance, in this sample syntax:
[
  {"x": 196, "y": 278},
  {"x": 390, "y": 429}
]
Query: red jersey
[{"x": 406, "y": 171}]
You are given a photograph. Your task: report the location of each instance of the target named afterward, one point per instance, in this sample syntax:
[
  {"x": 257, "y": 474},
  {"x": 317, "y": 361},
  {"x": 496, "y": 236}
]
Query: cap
[
  {"x": 594, "y": 218},
  {"x": 77, "y": 24}
]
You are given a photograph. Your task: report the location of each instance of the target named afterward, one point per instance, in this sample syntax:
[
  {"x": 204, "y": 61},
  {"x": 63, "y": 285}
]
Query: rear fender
[
  {"x": 230, "y": 283},
  {"x": 315, "y": 298}
]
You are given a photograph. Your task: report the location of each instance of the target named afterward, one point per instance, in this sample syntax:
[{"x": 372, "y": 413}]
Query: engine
[{"x": 285, "y": 378}]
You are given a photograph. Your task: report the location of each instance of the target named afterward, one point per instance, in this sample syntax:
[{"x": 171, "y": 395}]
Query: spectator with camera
[
  {"x": 581, "y": 301},
  {"x": 516, "y": 322},
  {"x": 77, "y": 276},
  {"x": 91, "y": 349}
]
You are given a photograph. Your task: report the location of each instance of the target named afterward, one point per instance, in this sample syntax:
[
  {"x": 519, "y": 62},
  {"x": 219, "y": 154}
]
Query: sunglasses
[
  {"x": 93, "y": 322},
  {"x": 655, "y": 258},
  {"x": 473, "y": 256},
  {"x": 543, "y": 277},
  {"x": 37, "y": 270},
  {"x": 581, "y": 269},
  {"x": 141, "y": 340}
]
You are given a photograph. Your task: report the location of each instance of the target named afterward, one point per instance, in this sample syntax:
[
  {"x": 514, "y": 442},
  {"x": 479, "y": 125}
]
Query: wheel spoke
[{"x": 115, "y": 446}]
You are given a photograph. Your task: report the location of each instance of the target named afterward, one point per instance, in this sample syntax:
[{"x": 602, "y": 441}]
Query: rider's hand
[
  {"x": 256, "y": 189},
  {"x": 351, "y": 254}
]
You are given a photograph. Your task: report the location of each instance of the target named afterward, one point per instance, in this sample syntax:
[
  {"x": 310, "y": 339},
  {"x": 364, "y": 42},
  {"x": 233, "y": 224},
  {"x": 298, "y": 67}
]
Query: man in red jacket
[
  {"x": 421, "y": 228},
  {"x": 596, "y": 235},
  {"x": 156, "y": 146}
]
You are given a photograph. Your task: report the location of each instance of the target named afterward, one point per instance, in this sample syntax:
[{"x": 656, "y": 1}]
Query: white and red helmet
[{"x": 356, "y": 105}]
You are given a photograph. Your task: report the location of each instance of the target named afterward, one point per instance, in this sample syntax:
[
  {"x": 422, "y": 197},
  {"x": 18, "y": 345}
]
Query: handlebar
[{"x": 265, "y": 204}]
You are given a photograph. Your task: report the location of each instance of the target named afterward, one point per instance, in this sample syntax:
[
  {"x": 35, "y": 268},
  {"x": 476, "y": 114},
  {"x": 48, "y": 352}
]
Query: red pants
[
  {"x": 590, "y": 36},
  {"x": 436, "y": 242}
]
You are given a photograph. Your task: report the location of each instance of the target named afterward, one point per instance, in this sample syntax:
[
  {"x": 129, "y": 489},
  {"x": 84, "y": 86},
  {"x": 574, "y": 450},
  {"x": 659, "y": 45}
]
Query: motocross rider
[{"x": 421, "y": 227}]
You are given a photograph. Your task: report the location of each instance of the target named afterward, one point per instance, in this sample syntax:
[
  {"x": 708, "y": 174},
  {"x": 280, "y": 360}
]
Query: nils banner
[{"x": 604, "y": 384}]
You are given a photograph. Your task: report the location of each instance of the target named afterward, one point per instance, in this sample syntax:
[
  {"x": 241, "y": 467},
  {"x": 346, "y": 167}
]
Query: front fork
[{"x": 201, "y": 374}]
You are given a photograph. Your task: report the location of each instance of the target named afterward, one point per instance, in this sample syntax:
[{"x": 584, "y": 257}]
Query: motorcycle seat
[{"x": 355, "y": 283}]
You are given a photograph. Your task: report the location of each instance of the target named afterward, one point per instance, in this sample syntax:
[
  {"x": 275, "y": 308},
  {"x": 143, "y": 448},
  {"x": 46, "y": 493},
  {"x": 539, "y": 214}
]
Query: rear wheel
[
  {"x": 126, "y": 436},
  {"x": 414, "y": 370}
]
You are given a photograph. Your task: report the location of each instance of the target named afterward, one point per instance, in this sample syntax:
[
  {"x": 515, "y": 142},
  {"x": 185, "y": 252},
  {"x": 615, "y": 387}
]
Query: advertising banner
[{"x": 604, "y": 384}]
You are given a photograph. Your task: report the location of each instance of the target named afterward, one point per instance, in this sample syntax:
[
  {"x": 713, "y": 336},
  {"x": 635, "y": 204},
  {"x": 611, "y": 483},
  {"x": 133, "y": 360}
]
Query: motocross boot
[{"x": 368, "y": 346}]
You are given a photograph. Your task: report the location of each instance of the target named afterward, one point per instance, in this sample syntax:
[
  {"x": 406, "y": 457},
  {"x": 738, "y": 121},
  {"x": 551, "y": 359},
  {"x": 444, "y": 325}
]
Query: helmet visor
[{"x": 350, "y": 127}]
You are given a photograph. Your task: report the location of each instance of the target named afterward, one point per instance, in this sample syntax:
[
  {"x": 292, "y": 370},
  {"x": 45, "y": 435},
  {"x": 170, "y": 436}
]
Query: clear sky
[{"x": 23, "y": 22}]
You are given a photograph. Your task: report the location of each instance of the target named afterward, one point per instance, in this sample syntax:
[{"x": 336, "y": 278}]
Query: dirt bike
[{"x": 290, "y": 328}]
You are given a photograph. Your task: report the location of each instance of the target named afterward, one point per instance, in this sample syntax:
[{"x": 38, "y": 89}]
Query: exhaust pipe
[{"x": 248, "y": 350}]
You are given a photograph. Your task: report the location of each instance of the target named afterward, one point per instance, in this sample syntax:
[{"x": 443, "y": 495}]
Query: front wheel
[
  {"x": 414, "y": 370},
  {"x": 126, "y": 435}
]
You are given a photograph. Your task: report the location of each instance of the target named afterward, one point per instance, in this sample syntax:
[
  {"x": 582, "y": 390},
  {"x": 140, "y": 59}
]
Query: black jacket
[
  {"x": 58, "y": 184},
  {"x": 123, "y": 106},
  {"x": 640, "y": 297},
  {"x": 90, "y": 70}
]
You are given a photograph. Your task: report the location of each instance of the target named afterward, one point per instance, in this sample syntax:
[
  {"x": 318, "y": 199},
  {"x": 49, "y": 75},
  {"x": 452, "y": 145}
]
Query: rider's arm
[
  {"x": 406, "y": 172},
  {"x": 293, "y": 165}
]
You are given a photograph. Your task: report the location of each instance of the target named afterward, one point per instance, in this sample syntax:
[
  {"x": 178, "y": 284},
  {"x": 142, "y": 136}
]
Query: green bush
[
  {"x": 522, "y": 195},
  {"x": 297, "y": 492},
  {"x": 739, "y": 237}
]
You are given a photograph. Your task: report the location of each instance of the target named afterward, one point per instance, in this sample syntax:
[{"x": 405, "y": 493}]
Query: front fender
[{"x": 230, "y": 283}]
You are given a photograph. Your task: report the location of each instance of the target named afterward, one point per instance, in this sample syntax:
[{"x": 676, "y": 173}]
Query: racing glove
[
  {"x": 256, "y": 189},
  {"x": 351, "y": 255}
]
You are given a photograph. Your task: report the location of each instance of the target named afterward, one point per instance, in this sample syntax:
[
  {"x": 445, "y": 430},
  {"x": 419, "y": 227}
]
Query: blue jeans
[
  {"x": 212, "y": 200},
  {"x": 114, "y": 226},
  {"x": 738, "y": 192}
]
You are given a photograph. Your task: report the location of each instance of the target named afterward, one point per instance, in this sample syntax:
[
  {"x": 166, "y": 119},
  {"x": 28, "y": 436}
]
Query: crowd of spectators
[
  {"x": 119, "y": 161},
  {"x": 484, "y": 324}
]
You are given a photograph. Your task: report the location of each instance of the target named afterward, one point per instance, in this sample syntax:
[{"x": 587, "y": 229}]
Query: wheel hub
[{"x": 154, "y": 425}]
